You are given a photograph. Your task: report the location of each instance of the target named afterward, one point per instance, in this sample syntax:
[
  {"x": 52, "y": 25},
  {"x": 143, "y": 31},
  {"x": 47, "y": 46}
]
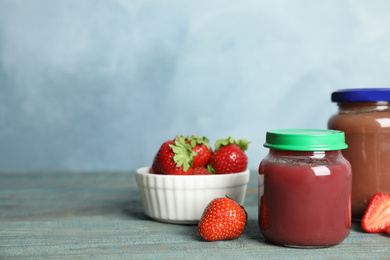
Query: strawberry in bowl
[
  {"x": 181, "y": 181},
  {"x": 229, "y": 156}
]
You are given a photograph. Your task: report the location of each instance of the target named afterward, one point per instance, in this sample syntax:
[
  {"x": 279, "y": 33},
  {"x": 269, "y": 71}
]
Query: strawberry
[
  {"x": 175, "y": 157},
  {"x": 229, "y": 156},
  {"x": 261, "y": 169},
  {"x": 200, "y": 171},
  {"x": 222, "y": 219},
  {"x": 376, "y": 219},
  {"x": 201, "y": 146},
  {"x": 263, "y": 216},
  {"x": 263, "y": 210}
]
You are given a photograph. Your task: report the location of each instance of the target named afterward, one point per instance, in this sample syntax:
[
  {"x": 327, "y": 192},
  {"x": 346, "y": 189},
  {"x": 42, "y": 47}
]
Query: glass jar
[
  {"x": 364, "y": 116},
  {"x": 307, "y": 188}
]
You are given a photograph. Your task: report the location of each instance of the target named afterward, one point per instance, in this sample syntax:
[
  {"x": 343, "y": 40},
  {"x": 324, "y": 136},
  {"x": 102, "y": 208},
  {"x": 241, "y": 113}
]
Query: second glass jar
[{"x": 364, "y": 116}]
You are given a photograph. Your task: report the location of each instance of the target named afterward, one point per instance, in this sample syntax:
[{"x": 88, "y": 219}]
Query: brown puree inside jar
[{"x": 367, "y": 133}]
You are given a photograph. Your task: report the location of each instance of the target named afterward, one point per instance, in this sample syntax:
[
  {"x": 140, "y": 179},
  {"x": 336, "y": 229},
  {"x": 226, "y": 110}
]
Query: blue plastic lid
[{"x": 361, "y": 95}]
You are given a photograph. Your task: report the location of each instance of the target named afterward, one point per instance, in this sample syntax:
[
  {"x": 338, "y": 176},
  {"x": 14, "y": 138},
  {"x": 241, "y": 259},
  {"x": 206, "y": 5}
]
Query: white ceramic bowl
[{"x": 182, "y": 199}]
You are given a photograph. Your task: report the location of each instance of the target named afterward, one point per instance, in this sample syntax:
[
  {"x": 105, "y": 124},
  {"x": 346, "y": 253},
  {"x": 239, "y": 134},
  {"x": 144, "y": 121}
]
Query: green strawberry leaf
[
  {"x": 210, "y": 168},
  {"x": 194, "y": 140},
  {"x": 242, "y": 143},
  {"x": 222, "y": 142},
  {"x": 183, "y": 153}
]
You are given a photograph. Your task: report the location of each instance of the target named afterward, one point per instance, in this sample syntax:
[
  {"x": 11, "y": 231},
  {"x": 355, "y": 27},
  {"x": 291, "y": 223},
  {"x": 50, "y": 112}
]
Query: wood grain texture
[{"x": 99, "y": 216}]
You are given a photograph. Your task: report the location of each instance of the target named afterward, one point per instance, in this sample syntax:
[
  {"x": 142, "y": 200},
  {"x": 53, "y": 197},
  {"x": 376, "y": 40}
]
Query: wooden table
[{"x": 99, "y": 215}]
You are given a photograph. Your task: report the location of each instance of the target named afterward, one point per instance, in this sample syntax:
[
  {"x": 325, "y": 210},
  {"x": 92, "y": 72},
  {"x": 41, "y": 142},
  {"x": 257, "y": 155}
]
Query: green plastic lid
[{"x": 305, "y": 140}]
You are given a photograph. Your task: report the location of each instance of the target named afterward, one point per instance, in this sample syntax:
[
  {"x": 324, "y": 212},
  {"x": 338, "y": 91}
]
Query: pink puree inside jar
[{"x": 307, "y": 194}]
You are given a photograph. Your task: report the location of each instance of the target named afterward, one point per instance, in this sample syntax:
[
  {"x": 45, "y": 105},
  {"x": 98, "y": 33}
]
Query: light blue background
[{"x": 99, "y": 85}]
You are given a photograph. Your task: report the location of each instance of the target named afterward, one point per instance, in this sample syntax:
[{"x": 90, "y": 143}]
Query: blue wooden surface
[{"x": 99, "y": 216}]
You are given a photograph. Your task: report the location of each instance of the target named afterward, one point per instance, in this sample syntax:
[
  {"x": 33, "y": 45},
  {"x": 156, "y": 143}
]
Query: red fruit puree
[{"x": 307, "y": 196}]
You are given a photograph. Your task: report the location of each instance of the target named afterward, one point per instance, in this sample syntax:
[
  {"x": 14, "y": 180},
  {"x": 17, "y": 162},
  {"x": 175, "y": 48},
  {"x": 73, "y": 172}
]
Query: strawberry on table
[
  {"x": 263, "y": 210},
  {"x": 376, "y": 219},
  {"x": 201, "y": 146},
  {"x": 229, "y": 156},
  {"x": 263, "y": 216},
  {"x": 222, "y": 219},
  {"x": 175, "y": 157}
]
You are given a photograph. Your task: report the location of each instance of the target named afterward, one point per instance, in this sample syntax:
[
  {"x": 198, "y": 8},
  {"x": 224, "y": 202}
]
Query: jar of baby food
[
  {"x": 307, "y": 188},
  {"x": 364, "y": 116}
]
